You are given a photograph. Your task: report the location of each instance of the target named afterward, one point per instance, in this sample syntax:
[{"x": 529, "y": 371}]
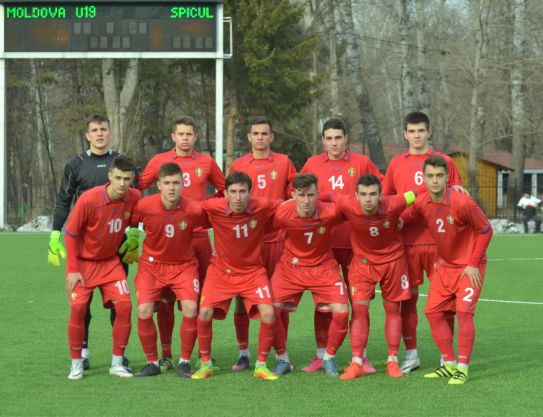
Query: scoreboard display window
[{"x": 121, "y": 26}]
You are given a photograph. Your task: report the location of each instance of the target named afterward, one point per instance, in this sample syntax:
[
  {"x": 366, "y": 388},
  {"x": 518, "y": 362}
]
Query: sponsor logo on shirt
[
  {"x": 73, "y": 295},
  {"x": 183, "y": 225},
  {"x": 450, "y": 219},
  {"x": 273, "y": 175},
  {"x": 101, "y": 166},
  {"x": 351, "y": 171},
  {"x": 336, "y": 168},
  {"x": 252, "y": 224},
  {"x": 353, "y": 289},
  {"x": 321, "y": 230},
  {"x": 386, "y": 224},
  {"x": 198, "y": 172},
  {"x": 294, "y": 261},
  {"x": 126, "y": 215}
]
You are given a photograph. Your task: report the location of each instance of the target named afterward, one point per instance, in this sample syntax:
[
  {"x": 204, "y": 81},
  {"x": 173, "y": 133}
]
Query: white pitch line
[{"x": 515, "y": 259}]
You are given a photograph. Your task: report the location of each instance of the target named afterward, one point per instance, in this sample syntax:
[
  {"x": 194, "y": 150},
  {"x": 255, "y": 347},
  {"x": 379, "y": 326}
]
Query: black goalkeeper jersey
[{"x": 81, "y": 173}]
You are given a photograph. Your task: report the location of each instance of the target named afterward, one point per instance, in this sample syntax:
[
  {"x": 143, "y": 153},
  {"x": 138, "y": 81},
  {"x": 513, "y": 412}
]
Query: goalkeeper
[{"x": 81, "y": 173}]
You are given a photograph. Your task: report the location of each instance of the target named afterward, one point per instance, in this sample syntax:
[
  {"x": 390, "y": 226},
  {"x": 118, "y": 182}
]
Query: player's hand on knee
[
  {"x": 56, "y": 249},
  {"x": 72, "y": 279}
]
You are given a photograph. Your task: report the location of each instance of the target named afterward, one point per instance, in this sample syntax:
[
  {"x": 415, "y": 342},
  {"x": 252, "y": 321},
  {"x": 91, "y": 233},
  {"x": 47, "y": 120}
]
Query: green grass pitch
[{"x": 505, "y": 375}]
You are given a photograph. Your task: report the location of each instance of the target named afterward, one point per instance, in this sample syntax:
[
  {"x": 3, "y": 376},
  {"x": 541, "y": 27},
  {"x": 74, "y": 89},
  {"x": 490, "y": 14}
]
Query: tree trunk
[
  {"x": 118, "y": 100},
  {"x": 406, "y": 73},
  {"x": 444, "y": 112},
  {"x": 353, "y": 69},
  {"x": 518, "y": 116},
  {"x": 422, "y": 88},
  {"x": 333, "y": 59},
  {"x": 231, "y": 123}
]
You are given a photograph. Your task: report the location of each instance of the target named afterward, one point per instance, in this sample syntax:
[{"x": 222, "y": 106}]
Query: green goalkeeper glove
[
  {"x": 56, "y": 250},
  {"x": 130, "y": 246}
]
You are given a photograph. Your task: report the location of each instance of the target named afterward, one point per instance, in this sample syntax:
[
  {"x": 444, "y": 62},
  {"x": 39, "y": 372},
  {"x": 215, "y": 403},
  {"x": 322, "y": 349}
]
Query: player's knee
[
  {"x": 339, "y": 308},
  {"x": 190, "y": 308},
  {"x": 267, "y": 315},
  {"x": 145, "y": 311},
  {"x": 123, "y": 310},
  {"x": 205, "y": 314}
]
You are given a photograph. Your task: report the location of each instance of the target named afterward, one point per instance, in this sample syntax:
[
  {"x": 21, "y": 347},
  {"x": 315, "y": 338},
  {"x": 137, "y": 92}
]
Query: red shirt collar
[
  {"x": 192, "y": 155},
  {"x": 429, "y": 152},
  {"x": 252, "y": 158},
  {"x": 106, "y": 198},
  {"x": 346, "y": 157},
  {"x": 229, "y": 212}
]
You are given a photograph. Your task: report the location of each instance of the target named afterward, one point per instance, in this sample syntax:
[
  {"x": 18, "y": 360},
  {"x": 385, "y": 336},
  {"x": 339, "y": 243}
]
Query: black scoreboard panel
[{"x": 120, "y": 26}]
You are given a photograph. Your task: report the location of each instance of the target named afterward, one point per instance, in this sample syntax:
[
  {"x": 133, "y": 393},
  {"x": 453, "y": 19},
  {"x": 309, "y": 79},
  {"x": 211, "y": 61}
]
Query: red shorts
[
  {"x": 220, "y": 287},
  {"x": 392, "y": 277},
  {"x": 324, "y": 281},
  {"x": 343, "y": 256},
  {"x": 202, "y": 250},
  {"x": 420, "y": 258},
  {"x": 152, "y": 279},
  {"x": 108, "y": 275},
  {"x": 271, "y": 253},
  {"x": 452, "y": 291}
]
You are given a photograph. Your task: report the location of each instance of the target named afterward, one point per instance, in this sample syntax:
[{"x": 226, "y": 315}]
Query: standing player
[
  {"x": 462, "y": 234},
  {"x": 198, "y": 170},
  {"x": 337, "y": 170},
  {"x": 82, "y": 173},
  {"x": 308, "y": 264},
  {"x": 93, "y": 234},
  {"x": 167, "y": 261},
  {"x": 239, "y": 222},
  {"x": 272, "y": 174},
  {"x": 378, "y": 258},
  {"x": 404, "y": 173}
]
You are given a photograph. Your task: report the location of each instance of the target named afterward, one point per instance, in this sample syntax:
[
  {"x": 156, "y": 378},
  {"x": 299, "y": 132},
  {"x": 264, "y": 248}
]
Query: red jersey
[
  {"x": 271, "y": 177},
  {"x": 458, "y": 225},
  {"x": 375, "y": 237},
  {"x": 308, "y": 238},
  {"x": 238, "y": 235},
  {"x": 97, "y": 224},
  {"x": 340, "y": 177},
  {"x": 404, "y": 173},
  {"x": 168, "y": 233},
  {"x": 198, "y": 168}
]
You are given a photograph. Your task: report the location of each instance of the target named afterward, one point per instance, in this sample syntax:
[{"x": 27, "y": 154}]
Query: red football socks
[
  {"x": 265, "y": 340},
  {"x": 280, "y": 338},
  {"x": 466, "y": 337},
  {"x": 322, "y": 321},
  {"x": 241, "y": 321},
  {"x": 410, "y": 320},
  {"x": 121, "y": 327},
  {"x": 441, "y": 332},
  {"x": 393, "y": 327},
  {"x": 147, "y": 335},
  {"x": 359, "y": 329},
  {"x": 338, "y": 331},
  {"x": 205, "y": 334},
  {"x": 188, "y": 334},
  {"x": 76, "y": 329},
  {"x": 166, "y": 320}
]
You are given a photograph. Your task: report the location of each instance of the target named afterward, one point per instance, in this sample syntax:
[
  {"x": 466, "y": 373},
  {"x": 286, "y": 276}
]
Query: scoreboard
[{"x": 113, "y": 26}]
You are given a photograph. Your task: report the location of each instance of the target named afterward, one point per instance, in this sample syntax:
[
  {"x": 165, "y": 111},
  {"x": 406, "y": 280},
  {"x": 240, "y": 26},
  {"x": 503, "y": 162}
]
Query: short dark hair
[
  {"x": 260, "y": 120},
  {"x": 304, "y": 181},
  {"x": 169, "y": 168},
  {"x": 436, "y": 161},
  {"x": 123, "y": 163},
  {"x": 414, "y": 118},
  {"x": 367, "y": 180},
  {"x": 184, "y": 120},
  {"x": 96, "y": 118},
  {"x": 238, "y": 177},
  {"x": 334, "y": 123}
]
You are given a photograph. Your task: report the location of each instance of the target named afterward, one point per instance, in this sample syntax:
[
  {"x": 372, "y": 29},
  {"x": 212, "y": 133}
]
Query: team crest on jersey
[
  {"x": 73, "y": 295},
  {"x": 126, "y": 215},
  {"x": 183, "y": 224},
  {"x": 450, "y": 219},
  {"x": 252, "y": 224},
  {"x": 273, "y": 175},
  {"x": 353, "y": 289},
  {"x": 351, "y": 171},
  {"x": 198, "y": 172},
  {"x": 386, "y": 224},
  {"x": 321, "y": 230}
]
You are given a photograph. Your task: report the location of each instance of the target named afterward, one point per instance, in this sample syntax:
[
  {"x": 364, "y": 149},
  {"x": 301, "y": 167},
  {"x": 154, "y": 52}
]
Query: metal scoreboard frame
[{"x": 122, "y": 29}]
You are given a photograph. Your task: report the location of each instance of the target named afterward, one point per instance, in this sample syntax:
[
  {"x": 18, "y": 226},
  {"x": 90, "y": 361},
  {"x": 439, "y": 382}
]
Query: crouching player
[
  {"x": 462, "y": 234},
  {"x": 239, "y": 223},
  {"x": 93, "y": 234},
  {"x": 378, "y": 258},
  {"x": 308, "y": 263},
  {"x": 167, "y": 262}
]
